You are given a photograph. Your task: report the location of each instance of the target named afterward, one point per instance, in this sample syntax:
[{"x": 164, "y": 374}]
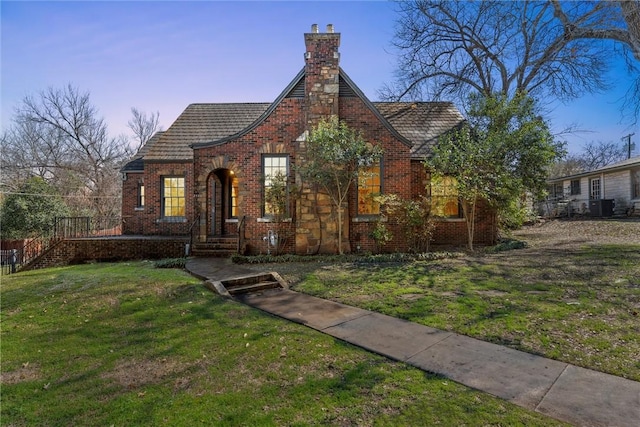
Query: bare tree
[
  {"x": 143, "y": 126},
  {"x": 599, "y": 154},
  {"x": 622, "y": 25},
  {"x": 59, "y": 136},
  {"x": 543, "y": 48},
  {"x": 594, "y": 155}
]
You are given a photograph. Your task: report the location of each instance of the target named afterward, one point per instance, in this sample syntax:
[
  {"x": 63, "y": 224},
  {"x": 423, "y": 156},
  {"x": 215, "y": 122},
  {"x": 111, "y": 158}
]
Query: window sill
[
  {"x": 369, "y": 218},
  {"x": 138, "y": 208},
  {"x": 172, "y": 219},
  {"x": 270, "y": 220},
  {"x": 231, "y": 220},
  {"x": 449, "y": 219}
]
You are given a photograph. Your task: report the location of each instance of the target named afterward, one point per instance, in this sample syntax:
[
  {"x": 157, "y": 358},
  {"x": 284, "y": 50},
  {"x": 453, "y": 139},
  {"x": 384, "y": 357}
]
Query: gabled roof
[
  {"x": 416, "y": 124},
  {"x": 422, "y": 123},
  {"x": 136, "y": 163},
  {"x": 200, "y": 123},
  {"x": 633, "y": 162}
]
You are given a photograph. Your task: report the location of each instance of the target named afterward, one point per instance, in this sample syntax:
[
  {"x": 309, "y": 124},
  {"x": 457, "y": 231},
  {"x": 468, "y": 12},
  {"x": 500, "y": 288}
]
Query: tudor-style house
[{"x": 207, "y": 175}]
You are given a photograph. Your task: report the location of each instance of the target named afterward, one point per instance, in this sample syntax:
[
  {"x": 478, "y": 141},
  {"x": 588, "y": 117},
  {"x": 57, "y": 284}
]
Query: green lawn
[
  {"x": 129, "y": 344},
  {"x": 580, "y": 307}
]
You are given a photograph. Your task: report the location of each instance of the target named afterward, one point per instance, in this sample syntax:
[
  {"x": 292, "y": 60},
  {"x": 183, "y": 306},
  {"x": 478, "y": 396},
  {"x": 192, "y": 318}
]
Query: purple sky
[{"x": 162, "y": 56}]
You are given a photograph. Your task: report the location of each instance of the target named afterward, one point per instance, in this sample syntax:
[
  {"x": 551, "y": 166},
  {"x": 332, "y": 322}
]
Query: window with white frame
[
  {"x": 173, "y": 197},
  {"x": 275, "y": 170},
  {"x": 594, "y": 185},
  {"x": 140, "y": 196}
]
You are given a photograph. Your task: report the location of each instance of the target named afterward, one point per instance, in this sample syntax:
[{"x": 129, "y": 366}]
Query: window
[
  {"x": 635, "y": 184},
  {"x": 555, "y": 191},
  {"x": 575, "y": 187},
  {"x": 368, "y": 187},
  {"x": 444, "y": 198},
  {"x": 233, "y": 205},
  {"x": 594, "y": 184},
  {"x": 173, "y": 197},
  {"x": 275, "y": 171},
  {"x": 140, "y": 196}
]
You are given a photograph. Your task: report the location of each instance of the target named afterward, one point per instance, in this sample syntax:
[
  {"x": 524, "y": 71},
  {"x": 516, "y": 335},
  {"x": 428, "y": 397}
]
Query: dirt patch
[
  {"x": 574, "y": 234},
  {"x": 27, "y": 372},
  {"x": 132, "y": 374}
]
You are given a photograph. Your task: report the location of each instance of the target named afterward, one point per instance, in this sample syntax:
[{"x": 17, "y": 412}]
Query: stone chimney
[{"x": 322, "y": 65}]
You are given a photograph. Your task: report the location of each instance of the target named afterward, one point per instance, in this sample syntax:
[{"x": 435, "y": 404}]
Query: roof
[
  {"x": 136, "y": 163},
  {"x": 203, "y": 122},
  {"x": 417, "y": 124},
  {"x": 422, "y": 123},
  {"x": 622, "y": 165}
]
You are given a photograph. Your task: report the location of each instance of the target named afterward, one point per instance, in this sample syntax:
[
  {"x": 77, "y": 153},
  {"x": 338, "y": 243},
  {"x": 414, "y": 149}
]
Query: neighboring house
[
  {"x": 607, "y": 191},
  {"x": 207, "y": 174}
]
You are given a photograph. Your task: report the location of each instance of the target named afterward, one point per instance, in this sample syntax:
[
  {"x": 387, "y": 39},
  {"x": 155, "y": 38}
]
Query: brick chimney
[{"x": 322, "y": 62}]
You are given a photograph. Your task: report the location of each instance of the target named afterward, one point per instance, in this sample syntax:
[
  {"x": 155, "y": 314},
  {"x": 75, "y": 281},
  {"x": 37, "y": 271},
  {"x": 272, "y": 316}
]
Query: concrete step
[{"x": 248, "y": 284}]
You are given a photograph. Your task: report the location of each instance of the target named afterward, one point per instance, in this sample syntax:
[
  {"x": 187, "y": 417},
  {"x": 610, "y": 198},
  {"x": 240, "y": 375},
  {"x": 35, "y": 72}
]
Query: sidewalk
[{"x": 576, "y": 395}]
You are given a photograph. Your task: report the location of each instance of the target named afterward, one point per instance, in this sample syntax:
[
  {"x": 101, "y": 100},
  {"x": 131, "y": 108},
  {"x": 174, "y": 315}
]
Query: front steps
[
  {"x": 247, "y": 284},
  {"x": 216, "y": 247}
]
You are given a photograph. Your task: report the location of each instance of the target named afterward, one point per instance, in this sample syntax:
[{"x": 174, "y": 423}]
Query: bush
[{"x": 507, "y": 245}]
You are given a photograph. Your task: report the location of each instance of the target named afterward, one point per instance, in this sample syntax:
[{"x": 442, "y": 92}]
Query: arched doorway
[{"x": 222, "y": 202}]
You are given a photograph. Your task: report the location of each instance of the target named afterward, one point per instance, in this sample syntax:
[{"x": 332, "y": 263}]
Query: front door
[
  {"x": 221, "y": 203},
  {"x": 214, "y": 203}
]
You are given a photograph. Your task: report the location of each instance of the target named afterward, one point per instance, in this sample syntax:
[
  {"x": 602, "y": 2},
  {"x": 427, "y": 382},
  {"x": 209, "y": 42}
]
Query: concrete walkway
[{"x": 569, "y": 393}]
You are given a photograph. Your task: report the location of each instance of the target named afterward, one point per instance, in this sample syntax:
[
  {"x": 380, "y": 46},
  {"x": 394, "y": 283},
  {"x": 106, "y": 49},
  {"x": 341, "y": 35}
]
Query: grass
[
  {"x": 580, "y": 307},
  {"x": 129, "y": 344}
]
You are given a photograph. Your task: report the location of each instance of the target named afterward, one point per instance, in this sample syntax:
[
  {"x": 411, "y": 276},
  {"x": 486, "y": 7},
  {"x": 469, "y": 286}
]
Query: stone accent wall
[{"x": 76, "y": 251}]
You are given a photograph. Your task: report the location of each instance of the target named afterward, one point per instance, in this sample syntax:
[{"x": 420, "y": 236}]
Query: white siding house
[{"x": 613, "y": 189}]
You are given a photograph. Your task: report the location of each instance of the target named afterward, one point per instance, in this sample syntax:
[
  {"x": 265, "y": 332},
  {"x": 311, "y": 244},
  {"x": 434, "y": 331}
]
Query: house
[
  {"x": 208, "y": 173},
  {"x": 607, "y": 191}
]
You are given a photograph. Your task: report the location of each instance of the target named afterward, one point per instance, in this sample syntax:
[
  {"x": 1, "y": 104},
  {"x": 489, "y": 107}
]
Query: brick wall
[{"x": 75, "y": 251}]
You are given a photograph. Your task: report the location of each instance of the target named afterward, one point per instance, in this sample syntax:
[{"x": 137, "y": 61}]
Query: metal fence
[{"x": 8, "y": 261}]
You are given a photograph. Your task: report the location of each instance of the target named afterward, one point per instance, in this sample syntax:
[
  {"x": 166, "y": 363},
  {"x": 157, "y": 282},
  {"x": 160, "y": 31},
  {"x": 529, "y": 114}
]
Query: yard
[
  {"x": 573, "y": 294},
  {"x": 130, "y": 344}
]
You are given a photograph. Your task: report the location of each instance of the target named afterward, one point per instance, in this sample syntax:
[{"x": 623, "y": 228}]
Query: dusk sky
[{"x": 162, "y": 56}]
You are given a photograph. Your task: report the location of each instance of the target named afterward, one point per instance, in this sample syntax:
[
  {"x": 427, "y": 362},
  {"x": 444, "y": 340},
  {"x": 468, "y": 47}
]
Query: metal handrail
[
  {"x": 195, "y": 222},
  {"x": 241, "y": 238}
]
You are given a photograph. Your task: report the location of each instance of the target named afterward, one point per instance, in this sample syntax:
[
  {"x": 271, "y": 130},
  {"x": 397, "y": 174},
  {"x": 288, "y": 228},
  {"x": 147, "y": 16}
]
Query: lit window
[
  {"x": 369, "y": 187},
  {"x": 275, "y": 172},
  {"x": 140, "y": 196},
  {"x": 595, "y": 189},
  {"x": 444, "y": 198},
  {"x": 234, "y": 197},
  {"x": 173, "y": 202}
]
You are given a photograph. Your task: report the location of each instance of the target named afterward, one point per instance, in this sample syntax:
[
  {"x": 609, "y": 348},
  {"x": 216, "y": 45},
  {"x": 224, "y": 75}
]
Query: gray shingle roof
[
  {"x": 200, "y": 123},
  {"x": 422, "y": 123},
  {"x": 136, "y": 164}
]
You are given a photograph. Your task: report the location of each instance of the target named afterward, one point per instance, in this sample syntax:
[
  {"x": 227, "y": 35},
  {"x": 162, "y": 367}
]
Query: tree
[
  {"x": 59, "y": 136},
  {"x": 599, "y": 154},
  {"x": 334, "y": 155},
  {"x": 143, "y": 126},
  {"x": 594, "y": 155},
  {"x": 502, "y": 152},
  {"x": 542, "y": 48},
  {"x": 31, "y": 211},
  {"x": 618, "y": 21}
]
